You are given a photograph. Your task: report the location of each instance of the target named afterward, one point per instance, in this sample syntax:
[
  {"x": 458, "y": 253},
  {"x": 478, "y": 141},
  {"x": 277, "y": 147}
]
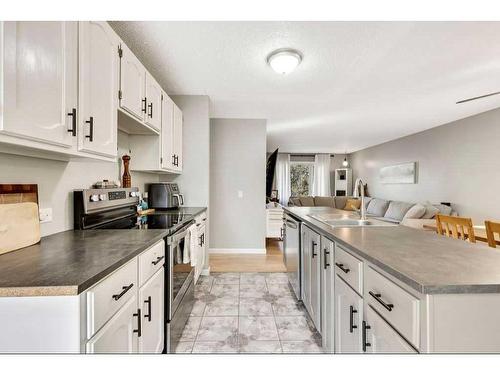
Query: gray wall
[
  {"x": 457, "y": 162},
  {"x": 194, "y": 181},
  {"x": 57, "y": 179},
  {"x": 238, "y": 163}
]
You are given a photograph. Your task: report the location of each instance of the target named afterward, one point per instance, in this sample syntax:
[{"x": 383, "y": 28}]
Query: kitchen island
[{"x": 410, "y": 290}]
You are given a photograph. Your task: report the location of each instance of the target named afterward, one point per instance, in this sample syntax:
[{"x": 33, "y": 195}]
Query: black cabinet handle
[
  {"x": 363, "y": 334},
  {"x": 352, "y": 311},
  {"x": 158, "y": 260},
  {"x": 201, "y": 240},
  {"x": 148, "y": 315},
  {"x": 341, "y": 266},
  {"x": 91, "y": 129},
  {"x": 73, "y": 122},
  {"x": 326, "y": 252},
  {"x": 314, "y": 244},
  {"x": 116, "y": 297},
  {"x": 139, "y": 323},
  {"x": 377, "y": 296},
  {"x": 150, "y": 106},
  {"x": 144, "y": 105}
]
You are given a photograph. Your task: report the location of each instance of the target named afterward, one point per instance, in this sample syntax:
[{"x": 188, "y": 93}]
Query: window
[{"x": 301, "y": 177}]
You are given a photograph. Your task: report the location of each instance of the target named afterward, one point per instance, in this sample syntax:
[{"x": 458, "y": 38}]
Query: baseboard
[
  {"x": 237, "y": 251},
  {"x": 205, "y": 271}
]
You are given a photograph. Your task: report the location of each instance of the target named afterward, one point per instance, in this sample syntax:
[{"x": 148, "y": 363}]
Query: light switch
[
  {"x": 45, "y": 215},
  {"x": 240, "y": 193}
]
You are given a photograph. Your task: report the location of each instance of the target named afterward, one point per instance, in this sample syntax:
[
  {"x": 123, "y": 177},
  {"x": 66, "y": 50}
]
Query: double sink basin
[{"x": 346, "y": 221}]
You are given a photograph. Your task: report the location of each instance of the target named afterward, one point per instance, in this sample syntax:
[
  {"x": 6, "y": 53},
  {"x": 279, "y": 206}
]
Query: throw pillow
[
  {"x": 307, "y": 201},
  {"x": 443, "y": 209},
  {"x": 416, "y": 212},
  {"x": 352, "y": 205},
  {"x": 430, "y": 211},
  {"x": 377, "y": 207},
  {"x": 397, "y": 210}
]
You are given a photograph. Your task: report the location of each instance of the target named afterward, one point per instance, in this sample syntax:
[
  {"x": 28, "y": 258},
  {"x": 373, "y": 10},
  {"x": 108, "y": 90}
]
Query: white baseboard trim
[
  {"x": 205, "y": 271},
  {"x": 237, "y": 251}
]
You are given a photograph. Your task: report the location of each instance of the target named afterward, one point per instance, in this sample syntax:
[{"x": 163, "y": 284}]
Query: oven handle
[{"x": 179, "y": 234}]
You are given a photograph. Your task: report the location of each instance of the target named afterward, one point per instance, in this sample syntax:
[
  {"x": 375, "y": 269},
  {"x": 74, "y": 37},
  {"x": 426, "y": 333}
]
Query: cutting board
[{"x": 19, "y": 218}]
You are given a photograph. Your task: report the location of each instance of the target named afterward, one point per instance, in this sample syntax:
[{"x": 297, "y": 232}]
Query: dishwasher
[{"x": 292, "y": 254}]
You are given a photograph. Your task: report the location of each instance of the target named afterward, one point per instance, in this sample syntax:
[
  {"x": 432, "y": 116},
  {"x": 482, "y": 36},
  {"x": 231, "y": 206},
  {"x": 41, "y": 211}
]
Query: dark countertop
[
  {"x": 67, "y": 263},
  {"x": 425, "y": 261}
]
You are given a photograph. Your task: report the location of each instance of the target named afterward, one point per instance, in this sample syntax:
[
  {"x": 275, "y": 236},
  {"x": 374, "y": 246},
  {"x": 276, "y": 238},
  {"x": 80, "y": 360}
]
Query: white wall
[
  {"x": 238, "y": 163},
  {"x": 194, "y": 181},
  {"x": 57, "y": 179},
  {"x": 457, "y": 162}
]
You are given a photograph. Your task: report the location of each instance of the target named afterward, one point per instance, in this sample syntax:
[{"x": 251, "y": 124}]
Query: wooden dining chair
[
  {"x": 456, "y": 227},
  {"x": 492, "y": 228}
]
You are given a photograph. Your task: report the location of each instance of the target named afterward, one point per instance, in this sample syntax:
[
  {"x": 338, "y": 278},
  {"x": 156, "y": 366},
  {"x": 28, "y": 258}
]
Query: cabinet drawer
[
  {"x": 108, "y": 296},
  {"x": 349, "y": 268},
  {"x": 396, "y": 305},
  {"x": 150, "y": 261}
]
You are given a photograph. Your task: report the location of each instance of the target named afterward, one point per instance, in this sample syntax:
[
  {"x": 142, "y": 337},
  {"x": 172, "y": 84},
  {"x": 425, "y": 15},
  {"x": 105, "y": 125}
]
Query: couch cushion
[
  {"x": 443, "y": 209},
  {"x": 352, "y": 204},
  {"x": 430, "y": 211},
  {"x": 367, "y": 201},
  {"x": 416, "y": 212},
  {"x": 307, "y": 201},
  {"x": 397, "y": 210},
  {"x": 294, "y": 201},
  {"x": 324, "y": 202},
  {"x": 377, "y": 207},
  {"x": 340, "y": 202}
]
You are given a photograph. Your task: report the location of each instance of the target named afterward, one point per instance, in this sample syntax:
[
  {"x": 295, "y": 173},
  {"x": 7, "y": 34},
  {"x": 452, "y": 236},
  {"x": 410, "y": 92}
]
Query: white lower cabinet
[
  {"x": 327, "y": 295},
  {"x": 349, "y": 318},
  {"x": 151, "y": 300},
  {"x": 119, "y": 335},
  {"x": 311, "y": 242},
  {"x": 201, "y": 246},
  {"x": 380, "y": 337}
]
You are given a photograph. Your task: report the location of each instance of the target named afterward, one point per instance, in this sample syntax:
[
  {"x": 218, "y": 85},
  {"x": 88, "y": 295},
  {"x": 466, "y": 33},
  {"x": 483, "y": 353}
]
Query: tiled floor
[{"x": 248, "y": 313}]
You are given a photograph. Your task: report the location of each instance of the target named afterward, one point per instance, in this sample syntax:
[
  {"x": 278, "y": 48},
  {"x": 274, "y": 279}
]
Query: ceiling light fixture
[
  {"x": 284, "y": 60},
  {"x": 345, "y": 163}
]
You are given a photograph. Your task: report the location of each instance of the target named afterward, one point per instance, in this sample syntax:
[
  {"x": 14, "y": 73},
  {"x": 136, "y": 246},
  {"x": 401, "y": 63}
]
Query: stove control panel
[{"x": 92, "y": 200}]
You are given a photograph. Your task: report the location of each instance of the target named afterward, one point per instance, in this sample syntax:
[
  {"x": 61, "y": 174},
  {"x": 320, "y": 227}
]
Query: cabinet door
[
  {"x": 151, "y": 297},
  {"x": 306, "y": 266},
  {"x": 132, "y": 84},
  {"x": 40, "y": 81},
  {"x": 200, "y": 251},
  {"x": 381, "y": 337},
  {"x": 315, "y": 308},
  {"x": 177, "y": 137},
  {"x": 348, "y": 319},
  {"x": 167, "y": 130},
  {"x": 117, "y": 335},
  {"x": 327, "y": 294},
  {"x": 98, "y": 88},
  {"x": 153, "y": 100}
]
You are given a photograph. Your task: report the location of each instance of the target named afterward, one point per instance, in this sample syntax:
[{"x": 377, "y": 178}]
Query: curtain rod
[{"x": 331, "y": 155}]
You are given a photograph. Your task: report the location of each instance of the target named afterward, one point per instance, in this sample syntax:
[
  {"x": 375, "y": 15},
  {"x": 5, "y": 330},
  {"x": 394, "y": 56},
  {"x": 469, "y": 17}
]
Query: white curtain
[
  {"x": 321, "y": 182},
  {"x": 283, "y": 178}
]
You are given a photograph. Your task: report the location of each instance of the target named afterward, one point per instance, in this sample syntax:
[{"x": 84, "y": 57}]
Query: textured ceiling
[{"x": 359, "y": 84}]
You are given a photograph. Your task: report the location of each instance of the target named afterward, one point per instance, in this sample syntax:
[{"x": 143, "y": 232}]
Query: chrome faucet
[{"x": 362, "y": 209}]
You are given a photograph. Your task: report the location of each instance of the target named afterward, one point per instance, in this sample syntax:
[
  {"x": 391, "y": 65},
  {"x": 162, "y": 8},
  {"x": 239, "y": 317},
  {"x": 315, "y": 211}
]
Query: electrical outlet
[
  {"x": 45, "y": 215},
  {"x": 240, "y": 194}
]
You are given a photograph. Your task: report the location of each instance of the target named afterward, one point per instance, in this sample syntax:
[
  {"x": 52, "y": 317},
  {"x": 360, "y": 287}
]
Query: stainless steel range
[{"x": 116, "y": 209}]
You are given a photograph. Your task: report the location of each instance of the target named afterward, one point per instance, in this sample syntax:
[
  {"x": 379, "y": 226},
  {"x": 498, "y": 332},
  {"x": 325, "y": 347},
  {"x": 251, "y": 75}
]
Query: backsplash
[{"x": 57, "y": 179}]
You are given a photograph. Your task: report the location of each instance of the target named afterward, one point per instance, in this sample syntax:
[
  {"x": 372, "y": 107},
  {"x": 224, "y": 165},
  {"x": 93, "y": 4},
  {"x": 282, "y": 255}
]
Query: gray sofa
[{"x": 414, "y": 215}]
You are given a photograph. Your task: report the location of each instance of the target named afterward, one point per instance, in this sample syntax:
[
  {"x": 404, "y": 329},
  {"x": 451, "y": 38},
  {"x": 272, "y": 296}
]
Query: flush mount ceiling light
[{"x": 284, "y": 60}]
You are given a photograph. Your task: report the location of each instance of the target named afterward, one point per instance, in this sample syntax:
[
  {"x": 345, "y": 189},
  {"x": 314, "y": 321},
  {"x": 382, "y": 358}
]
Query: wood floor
[{"x": 272, "y": 261}]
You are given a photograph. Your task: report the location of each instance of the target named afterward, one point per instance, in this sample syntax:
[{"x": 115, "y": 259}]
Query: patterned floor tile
[
  {"x": 254, "y": 346},
  {"x": 308, "y": 346},
  {"x": 257, "y": 328},
  {"x": 184, "y": 347},
  {"x": 224, "y": 306},
  {"x": 255, "y": 306},
  {"x": 225, "y": 291},
  {"x": 227, "y": 278},
  {"x": 252, "y": 278},
  {"x": 288, "y": 306},
  {"x": 295, "y": 328},
  {"x": 253, "y": 291},
  {"x": 217, "y": 328},
  {"x": 213, "y": 347},
  {"x": 191, "y": 329},
  {"x": 277, "y": 278}
]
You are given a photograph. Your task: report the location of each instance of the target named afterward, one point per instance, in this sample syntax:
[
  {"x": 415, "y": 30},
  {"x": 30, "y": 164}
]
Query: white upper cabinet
[
  {"x": 40, "y": 81},
  {"x": 167, "y": 130},
  {"x": 152, "y": 116},
  {"x": 98, "y": 90},
  {"x": 177, "y": 138},
  {"x": 132, "y": 83}
]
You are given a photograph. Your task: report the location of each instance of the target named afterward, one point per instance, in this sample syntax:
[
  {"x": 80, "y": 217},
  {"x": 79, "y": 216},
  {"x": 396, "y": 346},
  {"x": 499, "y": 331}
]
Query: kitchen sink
[{"x": 339, "y": 221}]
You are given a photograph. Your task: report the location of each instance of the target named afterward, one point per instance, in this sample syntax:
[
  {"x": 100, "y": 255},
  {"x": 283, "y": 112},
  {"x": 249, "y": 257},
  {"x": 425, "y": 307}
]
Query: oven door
[{"x": 180, "y": 273}]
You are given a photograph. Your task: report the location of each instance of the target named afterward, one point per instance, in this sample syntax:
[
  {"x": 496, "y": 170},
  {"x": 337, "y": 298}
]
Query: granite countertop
[
  {"x": 425, "y": 261},
  {"x": 68, "y": 263}
]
